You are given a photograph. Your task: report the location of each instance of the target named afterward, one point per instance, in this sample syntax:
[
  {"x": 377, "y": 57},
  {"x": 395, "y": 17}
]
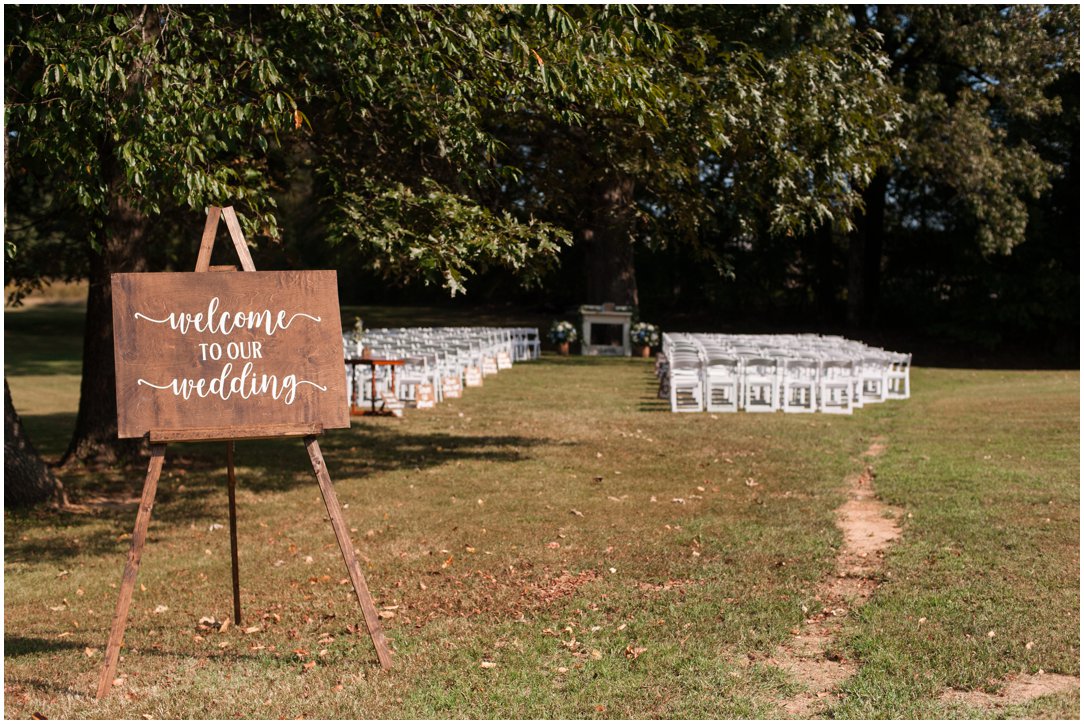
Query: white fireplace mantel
[{"x": 605, "y": 314}]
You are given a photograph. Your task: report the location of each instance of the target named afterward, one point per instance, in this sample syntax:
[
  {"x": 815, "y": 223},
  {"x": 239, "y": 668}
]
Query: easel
[{"x": 158, "y": 440}]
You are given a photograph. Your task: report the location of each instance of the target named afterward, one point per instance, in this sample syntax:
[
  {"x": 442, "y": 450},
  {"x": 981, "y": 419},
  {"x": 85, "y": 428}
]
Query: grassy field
[{"x": 555, "y": 544}]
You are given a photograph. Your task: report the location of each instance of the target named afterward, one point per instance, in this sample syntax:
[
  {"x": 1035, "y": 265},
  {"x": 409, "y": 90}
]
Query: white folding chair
[
  {"x": 760, "y": 384},
  {"x": 799, "y": 385}
]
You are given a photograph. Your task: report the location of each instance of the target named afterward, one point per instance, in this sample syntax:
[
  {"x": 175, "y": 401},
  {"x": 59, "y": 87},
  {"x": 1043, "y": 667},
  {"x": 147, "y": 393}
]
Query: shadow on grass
[
  {"x": 73, "y": 538},
  {"x": 649, "y": 395},
  {"x": 26, "y": 645},
  {"x": 193, "y": 480}
]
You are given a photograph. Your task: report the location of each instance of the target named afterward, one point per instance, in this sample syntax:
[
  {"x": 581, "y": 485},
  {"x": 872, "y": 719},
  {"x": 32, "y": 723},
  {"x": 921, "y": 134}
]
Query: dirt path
[
  {"x": 869, "y": 527},
  {"x": 868, "y": 531},
  {"x": 1017, "y": 689}
]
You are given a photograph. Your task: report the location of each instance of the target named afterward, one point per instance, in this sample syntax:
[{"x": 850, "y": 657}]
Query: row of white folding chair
[
  {"x": 849, "y": 375},
  {"x": 769, "y": 384},
  {"x": 871, "y": 361},
  {"x": 432, "y": 354}
]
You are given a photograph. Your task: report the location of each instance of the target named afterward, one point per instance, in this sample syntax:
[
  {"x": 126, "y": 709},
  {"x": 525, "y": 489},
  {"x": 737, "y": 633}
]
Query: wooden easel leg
[
  {"x": 232, "y": 480},
  {"x": 342, "y": 534},
  {"x": 131, "y": 569}
]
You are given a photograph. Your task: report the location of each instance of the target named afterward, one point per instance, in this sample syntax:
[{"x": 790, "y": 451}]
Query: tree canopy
[{"x": 431, "y": 144}]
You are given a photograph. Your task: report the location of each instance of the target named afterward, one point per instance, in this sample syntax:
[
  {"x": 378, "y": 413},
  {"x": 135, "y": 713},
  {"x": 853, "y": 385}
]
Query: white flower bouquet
[
  {"x": 643, "y": 334},
  {"x": 561, "y": 331}
]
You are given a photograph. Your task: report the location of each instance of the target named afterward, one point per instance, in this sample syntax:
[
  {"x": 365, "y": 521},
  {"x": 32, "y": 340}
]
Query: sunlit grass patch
[{"x": 555, "y": 544}]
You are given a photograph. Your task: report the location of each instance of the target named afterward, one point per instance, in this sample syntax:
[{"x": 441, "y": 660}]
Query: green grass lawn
[{"x": 612, "y": 560}]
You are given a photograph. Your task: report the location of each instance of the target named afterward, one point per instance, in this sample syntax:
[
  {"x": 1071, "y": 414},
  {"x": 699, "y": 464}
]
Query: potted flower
[
  {"x": 562, "y": 334},
  {"x": 357, "y": 338},
  {"x": 644, "y": 336}
]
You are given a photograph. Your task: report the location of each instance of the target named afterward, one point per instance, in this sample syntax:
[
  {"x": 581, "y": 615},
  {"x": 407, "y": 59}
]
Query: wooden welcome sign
[
  {"x": 242, "y": 351},
  {"x": 226, "y": 356}
]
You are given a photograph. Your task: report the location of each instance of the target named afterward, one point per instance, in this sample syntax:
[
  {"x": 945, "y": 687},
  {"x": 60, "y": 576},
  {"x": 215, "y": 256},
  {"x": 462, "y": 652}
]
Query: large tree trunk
[
  {"x": 27, "y": 479},
  {"x": 866, "y": 248},
  {"x": 122, "y": 250},
  {"x": 607, "y": 238}
]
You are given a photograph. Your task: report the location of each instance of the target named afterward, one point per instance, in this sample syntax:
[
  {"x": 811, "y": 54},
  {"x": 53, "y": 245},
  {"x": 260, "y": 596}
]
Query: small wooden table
[{"x": 355, "y": 408}]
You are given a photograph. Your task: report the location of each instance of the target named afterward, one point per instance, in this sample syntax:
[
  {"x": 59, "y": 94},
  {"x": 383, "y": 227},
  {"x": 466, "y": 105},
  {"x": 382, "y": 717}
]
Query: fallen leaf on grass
[
  {"x": 90, "y": 652},
  {"x": 553, "y": 545},
  {"x": 633, "y": 652},
  {"x": 1029, "y": 645},
  {"x": 386, "y": 614},
  {"x": 448, "y": 562},
  {"x": 489, "y": 665},
  {"x": 679, "y": 501},
  {"x": 308, "y": 665},
  {"x": 251, "y": 629},
  {"x": 576, "y": 513},
  {"x": 225, "y": 625},
  {"x": 750, "y": 483}
]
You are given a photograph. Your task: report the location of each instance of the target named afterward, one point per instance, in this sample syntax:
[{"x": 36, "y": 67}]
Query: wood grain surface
[{"x": 238, "y": 351}]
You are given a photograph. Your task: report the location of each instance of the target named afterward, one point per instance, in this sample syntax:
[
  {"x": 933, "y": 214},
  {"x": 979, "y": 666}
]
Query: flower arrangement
[
  {"x": 643, "y": 334},
  {"x": 357, "y": 333},
  {"x": 562, "y": 331}
]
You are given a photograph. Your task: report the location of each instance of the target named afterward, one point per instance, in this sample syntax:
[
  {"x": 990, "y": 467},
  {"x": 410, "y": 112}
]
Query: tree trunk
[
  {"x": 27, "y": 479},
  {"x": 607, "y": 238},
  {"x": 866, "y": 248},
  {"x": 95, "y": 436},
  {"x": 122, "y": 250}
]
